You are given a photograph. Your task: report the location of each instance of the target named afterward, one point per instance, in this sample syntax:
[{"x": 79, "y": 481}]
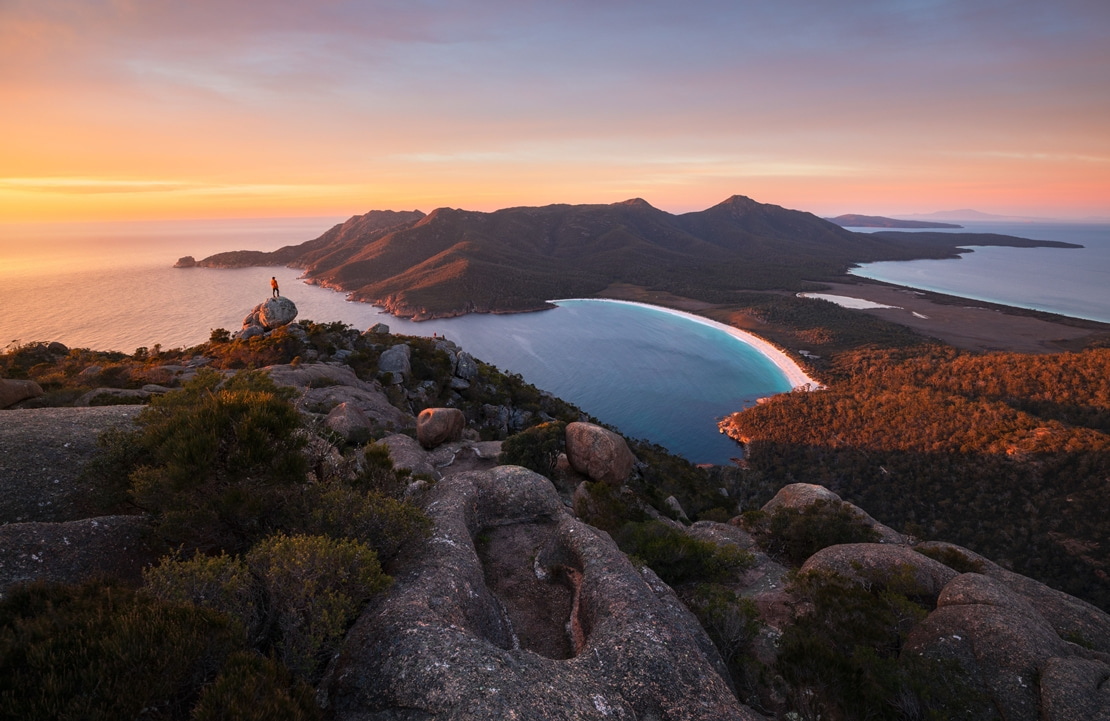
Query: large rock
[
  {"x": 868, "y": 562},
  {"x": 14, "y": 391},
  {"x": 598, "y": 453},
  {"x": 42, "y": 452},
  {"x": 395, "y": 360},
  {"x": 1069, "y": 616},
  {"x": 276, "y": 312},
  {"x": 465, "y": 366},
  {"x": 1009, "y": 649},
  {"x": 800, "y": 495},
  {"x": 549, "y": 620},
  {"x": 349, "y": 421},
  {"x": 325, "y": 386},
  {"x": 435, "y": 426}
]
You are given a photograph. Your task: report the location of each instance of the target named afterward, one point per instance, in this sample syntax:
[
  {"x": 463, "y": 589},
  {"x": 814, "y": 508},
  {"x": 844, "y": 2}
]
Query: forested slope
[{"x": 1007, "y": 454}]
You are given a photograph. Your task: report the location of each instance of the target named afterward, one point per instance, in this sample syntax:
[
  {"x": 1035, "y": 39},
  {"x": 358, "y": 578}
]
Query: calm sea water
[
  {"x": 1068, "y": 281},
  {"x": 651, "y": 374}
]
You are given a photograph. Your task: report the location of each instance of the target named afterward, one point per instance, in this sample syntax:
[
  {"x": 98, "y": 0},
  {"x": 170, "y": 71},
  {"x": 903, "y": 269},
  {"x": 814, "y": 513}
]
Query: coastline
[{"x": 794, "y": 373}]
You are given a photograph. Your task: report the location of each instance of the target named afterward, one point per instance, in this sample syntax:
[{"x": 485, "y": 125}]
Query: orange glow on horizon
[{"x": 118, "y": 111}]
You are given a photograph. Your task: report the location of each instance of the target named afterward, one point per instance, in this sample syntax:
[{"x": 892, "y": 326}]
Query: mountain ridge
[{"x": 453, "y": 261}]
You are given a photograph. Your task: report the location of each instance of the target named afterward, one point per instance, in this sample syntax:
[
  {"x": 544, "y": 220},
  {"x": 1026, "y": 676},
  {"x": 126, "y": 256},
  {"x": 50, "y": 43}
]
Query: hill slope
[{"x": 453, "y": 261}]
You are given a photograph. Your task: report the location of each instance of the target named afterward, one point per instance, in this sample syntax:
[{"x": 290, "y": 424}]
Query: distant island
[
  {"x": 451, "y": 262},
  {"x": 878, "y": 221}
]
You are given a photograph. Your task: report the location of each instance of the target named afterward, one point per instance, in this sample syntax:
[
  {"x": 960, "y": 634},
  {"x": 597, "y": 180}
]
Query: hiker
[{"x": 273, "y": 284}]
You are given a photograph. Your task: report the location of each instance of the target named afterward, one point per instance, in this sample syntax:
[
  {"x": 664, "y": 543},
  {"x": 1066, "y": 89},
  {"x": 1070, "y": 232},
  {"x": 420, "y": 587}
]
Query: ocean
[
  {"x": 1069, "y": 281},
  {"x": 651, "y": 374}
]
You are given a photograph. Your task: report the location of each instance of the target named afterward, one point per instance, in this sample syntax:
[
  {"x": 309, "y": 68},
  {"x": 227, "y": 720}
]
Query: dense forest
[{"x": 1007, "y": 454}]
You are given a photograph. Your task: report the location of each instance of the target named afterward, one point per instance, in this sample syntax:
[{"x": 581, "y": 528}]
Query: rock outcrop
[
  {"x": 1005, "y": 646},
  {"x": 349, "y": 421},
  {"x": 394, "y": 364},
  {"x": 186, "y": 261},
  {"x": 14, "y": 391},
  {"x": 868, "y": 562},
  {"x": 436, "y": 426},
  {"x": 75, "y": 551},
  {"x": 564, "y": 628},
  {"x": 800, "y": 495},
  {"x": 268, "y": 315},
  {"x": 325, "y": 385},
  {"x": 42, "y": 451},
  {"x": 598, "y": 453}
]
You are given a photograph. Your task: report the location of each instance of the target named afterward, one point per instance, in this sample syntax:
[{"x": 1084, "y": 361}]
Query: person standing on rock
[{"x": 274, "y": 285}]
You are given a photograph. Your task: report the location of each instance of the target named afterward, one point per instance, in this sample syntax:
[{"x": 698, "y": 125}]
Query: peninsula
[
  {"x": 877, "y": 221},
  {"x": 451, "y": 262}
]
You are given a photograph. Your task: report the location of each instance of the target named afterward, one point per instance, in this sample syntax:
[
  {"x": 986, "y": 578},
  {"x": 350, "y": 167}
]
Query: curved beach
[{"x": 797, "y": 377}]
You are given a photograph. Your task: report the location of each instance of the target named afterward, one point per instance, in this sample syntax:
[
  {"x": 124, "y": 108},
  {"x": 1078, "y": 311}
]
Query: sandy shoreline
[{"x": 793, "y": 372}]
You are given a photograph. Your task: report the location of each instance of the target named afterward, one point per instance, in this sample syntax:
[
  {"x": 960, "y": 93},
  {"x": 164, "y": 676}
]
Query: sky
[{"x": 151, "y": 109}]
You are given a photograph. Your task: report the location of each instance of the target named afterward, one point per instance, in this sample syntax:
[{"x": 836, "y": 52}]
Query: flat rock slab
[
  {"x": 42, "y": 452},
  {"x": 112, "y": 546}
]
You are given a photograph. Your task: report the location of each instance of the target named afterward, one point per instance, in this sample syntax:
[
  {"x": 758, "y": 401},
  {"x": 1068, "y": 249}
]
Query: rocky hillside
[
  {"x": 539, "y": 565},
  {"x": 452, "y": 261}
]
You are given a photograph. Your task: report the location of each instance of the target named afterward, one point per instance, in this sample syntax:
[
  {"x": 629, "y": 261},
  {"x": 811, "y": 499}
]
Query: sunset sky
[{"x": 134, "y": 109}]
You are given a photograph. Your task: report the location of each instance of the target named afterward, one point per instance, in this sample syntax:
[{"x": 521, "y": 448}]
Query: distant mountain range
[
  {"x": 451, "y": 262},
  {"x": 878, "y": 221}
]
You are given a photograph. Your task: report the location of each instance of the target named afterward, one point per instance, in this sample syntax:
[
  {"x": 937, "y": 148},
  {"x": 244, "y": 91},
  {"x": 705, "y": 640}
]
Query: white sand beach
[
  {"x": 794, "y": 374},
  {"x": 845, "y": 301}
]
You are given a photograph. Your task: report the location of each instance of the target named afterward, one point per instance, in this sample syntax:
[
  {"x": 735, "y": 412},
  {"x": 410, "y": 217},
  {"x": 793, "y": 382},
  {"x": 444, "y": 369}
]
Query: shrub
[
  {"x": 105, "y": 652},
  {"x": 842, "y": 657},
  {"x": 253, "y": 688},
  {"x": 316, "y": 586},
  {"x": 536, "y": 448},
  {"x": 953, "y": 558},
  {"x": 798, "y": 534},
  {"x": 222, "y": 583},
  {"x": 680, "y": 558},
  {"x": 383, "y": 523},
  {"x": 221, "y": 460},
  {"x": 732, "y": 623},
  {"x": 378, "y": 473}
]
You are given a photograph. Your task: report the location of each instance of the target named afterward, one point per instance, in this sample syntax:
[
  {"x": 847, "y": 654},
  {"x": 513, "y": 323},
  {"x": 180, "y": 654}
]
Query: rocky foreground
[{"x": 515, "y": 607}]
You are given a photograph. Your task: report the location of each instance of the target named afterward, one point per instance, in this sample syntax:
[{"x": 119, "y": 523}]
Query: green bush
[
  {"x": 798, "y": 534},
  {"x": 221, "y": 460},
  {"x": 316, "y": 586},
  {"x": 679, "y": 558},
  {"x": 222, "y": 583},
  {"x": 378, "y": 473},
  {"x": 253, "y": 688},
  {"x": 953, "y": 558},
  {"x": 536, "y": 448},
  {"x": 842, "y": 657},
  {"x": 105, "y": 652},
  {"x": 384, "y": 524},
  {"x": 732, "y": 623}
]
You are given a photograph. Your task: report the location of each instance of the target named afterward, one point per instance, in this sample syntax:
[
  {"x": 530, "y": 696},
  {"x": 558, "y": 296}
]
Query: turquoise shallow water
[{"x": 652, "y": 374}]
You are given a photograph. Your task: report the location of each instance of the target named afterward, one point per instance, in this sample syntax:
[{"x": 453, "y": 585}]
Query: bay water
[
  {"x": 650, "y": 373},
  {"x": 1069, "y": 281}
]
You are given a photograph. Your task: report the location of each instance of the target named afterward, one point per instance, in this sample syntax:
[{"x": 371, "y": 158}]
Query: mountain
[
  {"x": 878, "y": 221},
  {"x": 453, "y": 261}
]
